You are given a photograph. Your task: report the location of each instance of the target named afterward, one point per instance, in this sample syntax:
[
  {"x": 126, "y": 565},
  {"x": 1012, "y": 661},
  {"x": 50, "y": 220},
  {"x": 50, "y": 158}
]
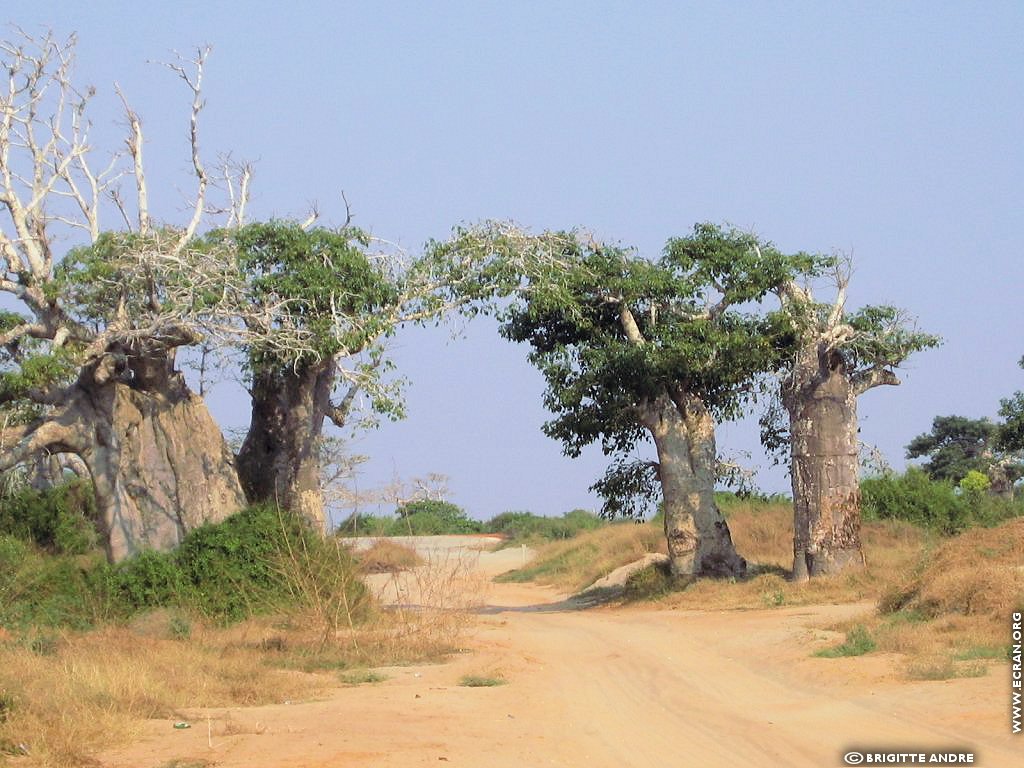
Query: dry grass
[
  {"x": 387, "y": 556},
  {"x": 763, "y": 533},
  {"x": 574, "y": 564},
  {"x": 764, "y": 537},
  {"x": 91, "y": 689},
  {"x": 65, "y": 696},
  {"x": 949, "y": 612},
  {"x": 431, "y": 606}
]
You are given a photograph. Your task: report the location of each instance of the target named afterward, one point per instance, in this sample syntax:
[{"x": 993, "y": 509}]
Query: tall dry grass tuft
[
  {"x": 387, "y": 556},
  {"x": 428, "y": 609},
  {"x": 88, "y": 691},
  {"x": 323, "y": 587}
]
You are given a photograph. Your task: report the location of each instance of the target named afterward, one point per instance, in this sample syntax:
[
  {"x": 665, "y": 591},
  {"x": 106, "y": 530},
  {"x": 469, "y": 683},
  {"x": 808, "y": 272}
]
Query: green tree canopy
[
  {"x": 617, "y": 330},
  {"x": 956, "y": 446},
  {"x": 1011, "y": 431}
]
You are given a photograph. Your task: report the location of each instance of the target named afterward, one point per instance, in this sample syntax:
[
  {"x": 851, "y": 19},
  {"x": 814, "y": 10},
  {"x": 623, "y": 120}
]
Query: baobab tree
[
  {"x": 634, "y": 350},
  {"x": 88, "y": 357},
  {"x": 837, "y": 357},
  {"x": 319, "y": 305}
]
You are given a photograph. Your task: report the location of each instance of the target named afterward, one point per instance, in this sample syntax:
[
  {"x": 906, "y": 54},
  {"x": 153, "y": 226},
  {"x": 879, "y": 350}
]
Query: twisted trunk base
[
  {"x": 157, "y": 460},
  {"x": 699, "y": 541}
]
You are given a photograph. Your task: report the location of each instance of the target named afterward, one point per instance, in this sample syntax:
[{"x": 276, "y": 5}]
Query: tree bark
[
  {"x": 699, "y": 542},
  {"x": 822, "y": 406},
  {"x": 279, "y": 461},
  {"x": 157, "y": 460}
]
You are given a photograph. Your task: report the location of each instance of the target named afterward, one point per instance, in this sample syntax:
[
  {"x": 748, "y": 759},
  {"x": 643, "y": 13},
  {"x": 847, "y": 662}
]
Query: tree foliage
[
  {"x": 955, "y": 446},
  {"x": 1011, "y": 431},
  {"x": 692, "y": 327}
]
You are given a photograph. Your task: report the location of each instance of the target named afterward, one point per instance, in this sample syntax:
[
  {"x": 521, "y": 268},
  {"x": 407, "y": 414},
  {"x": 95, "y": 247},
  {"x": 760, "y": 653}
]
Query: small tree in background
[
  {"x": 1011, "y": 431},
  {"x": 958, "y": 446}
]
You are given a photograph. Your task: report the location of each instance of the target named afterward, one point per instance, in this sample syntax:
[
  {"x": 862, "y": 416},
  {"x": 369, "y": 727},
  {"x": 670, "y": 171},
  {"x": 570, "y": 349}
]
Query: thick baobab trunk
[
  {"x": 824, "y": 471},
  {"x": 158, "y": 462},
  {"x": 699, "y": 542},
  {"x": 279, "y": 460}
]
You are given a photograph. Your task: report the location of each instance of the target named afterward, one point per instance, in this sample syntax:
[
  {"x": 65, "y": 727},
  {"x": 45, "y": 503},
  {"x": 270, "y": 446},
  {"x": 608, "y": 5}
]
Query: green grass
[
  {"x": 478, "y": 681},
  {"x": 858, "y": 642},
  {"x": 359, "y": 677},
  {"x": 907, "y": 616},
  {"x": 995, "y": 652}
]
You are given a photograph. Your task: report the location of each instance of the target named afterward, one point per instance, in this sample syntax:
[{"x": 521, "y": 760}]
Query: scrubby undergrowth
[{"x": 252, "y": 610}]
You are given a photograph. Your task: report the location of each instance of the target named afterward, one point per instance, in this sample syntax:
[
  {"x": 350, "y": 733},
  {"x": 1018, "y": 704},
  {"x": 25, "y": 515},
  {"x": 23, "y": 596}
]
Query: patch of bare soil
[{"x": 635, "y": 686}]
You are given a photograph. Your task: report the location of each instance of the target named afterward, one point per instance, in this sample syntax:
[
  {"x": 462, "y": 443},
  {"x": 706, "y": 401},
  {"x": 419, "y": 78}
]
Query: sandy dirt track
[{"x": 613, "y": 687}]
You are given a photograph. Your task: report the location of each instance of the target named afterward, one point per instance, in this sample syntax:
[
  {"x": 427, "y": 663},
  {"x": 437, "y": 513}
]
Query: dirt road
[{"x": 614, "y": 687}]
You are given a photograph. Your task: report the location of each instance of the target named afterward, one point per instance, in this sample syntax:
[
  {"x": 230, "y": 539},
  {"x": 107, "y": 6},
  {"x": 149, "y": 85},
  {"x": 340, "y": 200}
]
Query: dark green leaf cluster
[
  {"x": 958, "y": 445},
  {"x": 322, "y": 282},
  {"x": 954, "y": 447},
  {"x": 37, "y": 371},
  {"x": 702, "y": 335},
  {"x": 629, "y": 489},
  {"x": 1011, "y": 431},
  {"x": 59, "y": 520}
]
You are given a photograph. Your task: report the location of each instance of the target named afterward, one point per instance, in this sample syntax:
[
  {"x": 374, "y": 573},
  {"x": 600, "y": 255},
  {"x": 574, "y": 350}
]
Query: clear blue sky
[{"x": 892, "y": 130}]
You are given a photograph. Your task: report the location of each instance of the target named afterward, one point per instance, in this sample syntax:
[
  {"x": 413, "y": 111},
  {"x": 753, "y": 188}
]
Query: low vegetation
[
  {"x": 858, "y": 642},
  {"x": 575, "y": 563},
  {"x": 249, "y": 611},
  {"x": 938, "y": 505},
  {"x": 481, "y": 681},
  {"x": 434, "y": 518}
]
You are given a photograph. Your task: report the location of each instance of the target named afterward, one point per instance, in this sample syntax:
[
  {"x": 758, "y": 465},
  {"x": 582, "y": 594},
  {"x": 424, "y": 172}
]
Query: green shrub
[
  {"x": 148, "y": 580},
  {"x": 44, "y": 590},
  {"x": 650, "y": 583},
  {"x": 58, "y": 519},
  {"x": 481, "y": 681},
  {"x": 525, "y": 526},
  {"x": 935, "y": 504},
  {"x": 253, "y": 562},
  {"x": 858, "y": 642},
  {"x": 433, "y": 518},
  {"x": 229, "y": 569}
]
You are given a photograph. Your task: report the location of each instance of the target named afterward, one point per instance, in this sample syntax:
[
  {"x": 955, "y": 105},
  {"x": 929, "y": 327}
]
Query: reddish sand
[{"x": 612, "y": 687}]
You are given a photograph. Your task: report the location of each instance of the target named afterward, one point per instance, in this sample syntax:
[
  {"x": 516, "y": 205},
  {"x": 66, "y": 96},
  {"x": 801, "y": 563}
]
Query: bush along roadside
[{"x": 250, "y": 563}]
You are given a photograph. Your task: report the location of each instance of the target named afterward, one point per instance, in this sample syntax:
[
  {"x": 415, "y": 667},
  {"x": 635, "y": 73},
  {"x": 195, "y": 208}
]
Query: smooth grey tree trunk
[{"x": 699, "y": 541}]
